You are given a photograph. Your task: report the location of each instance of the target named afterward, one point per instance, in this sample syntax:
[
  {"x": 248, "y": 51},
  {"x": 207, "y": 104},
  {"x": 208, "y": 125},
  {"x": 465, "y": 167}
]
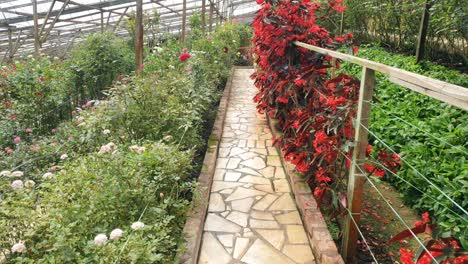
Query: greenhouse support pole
[
  {"x": 10, "y": 44},
  {"x": 357, "y": 178},
  {"x": 421, "y": 46},
  {"x": 210, "y": 19},
  {"x": 184, "y": 21},
  {"x": 120, "y": 19},
  {"x": 139, "y": 36},
  {"x": 102, "y": 21},
  {"x": 36, "y": 30},
  {"x": 342, "y": 23},
  {"x": 203, "y": 13},
  {"x": 51, "y": 8}
]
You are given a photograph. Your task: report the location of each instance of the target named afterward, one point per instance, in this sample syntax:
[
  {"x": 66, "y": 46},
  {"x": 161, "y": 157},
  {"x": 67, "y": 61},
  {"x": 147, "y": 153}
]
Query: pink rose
[{"x": 17, "y": 140}]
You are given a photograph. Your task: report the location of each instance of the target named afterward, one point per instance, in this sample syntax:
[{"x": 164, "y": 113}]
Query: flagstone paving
[{"x": 252, "y": 217}]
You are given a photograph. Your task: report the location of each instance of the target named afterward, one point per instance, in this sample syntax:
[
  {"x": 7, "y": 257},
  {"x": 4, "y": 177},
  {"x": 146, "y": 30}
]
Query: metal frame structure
[{"x": 53, "y": 26}]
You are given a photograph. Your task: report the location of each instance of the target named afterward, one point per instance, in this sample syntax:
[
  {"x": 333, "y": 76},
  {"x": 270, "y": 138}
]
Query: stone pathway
[{"x": 252, "y": 217}]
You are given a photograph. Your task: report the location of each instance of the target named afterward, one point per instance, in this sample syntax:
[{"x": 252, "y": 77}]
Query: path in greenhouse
[{"x": 252, "y": 217}]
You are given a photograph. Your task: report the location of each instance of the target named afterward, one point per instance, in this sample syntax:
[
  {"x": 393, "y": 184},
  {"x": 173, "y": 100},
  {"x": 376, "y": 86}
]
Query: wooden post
[
  {"x": 423, "y": 31},
  {"x": 51, "y": 8},
  {"x": 203, "y": 12},
  {"x": 356, "y": 177},
  {"x": 139, "y": 36},
  {"x": 342, "y": 23},
  {"x": 102, "y": 21},
  {"x": 10, "y": 44},
  {"x": 184, "y": 21},
  {"x": 37, "y": 44},
  {"x": 210, "y": 18}
]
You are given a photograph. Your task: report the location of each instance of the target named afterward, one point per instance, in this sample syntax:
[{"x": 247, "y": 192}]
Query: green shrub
[
  {"x": 432, "y": 140},
  {"x": 37, "y": 94},
  {"x": 96, "y": 194},
  {"x": 97, "y": 61}
]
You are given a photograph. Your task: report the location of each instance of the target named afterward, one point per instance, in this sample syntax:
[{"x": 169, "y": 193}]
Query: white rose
[
  {"x": 18, "y": 184},
  {"x": 138, "y": 225},
  {"x": 106, "y": 132},
  {"x": 18, "y": 248},
  {"x": 104, "y": 149},
  {"x": 111, "y": 145},
  {"x": 5, "y": 173},
  {"x": 100, "y": 239},
  {"x": 48, "y": 175},
  {"x": 64, "y": 157},
  {"x": 29, "y": 184},
  {"x": 116, "y": 234},
  {"x": 17, "y": 174}
]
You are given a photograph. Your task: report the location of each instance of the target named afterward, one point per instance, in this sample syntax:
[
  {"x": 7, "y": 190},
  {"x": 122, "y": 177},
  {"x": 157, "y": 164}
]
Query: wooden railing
[{"x": 452, "y": 94}]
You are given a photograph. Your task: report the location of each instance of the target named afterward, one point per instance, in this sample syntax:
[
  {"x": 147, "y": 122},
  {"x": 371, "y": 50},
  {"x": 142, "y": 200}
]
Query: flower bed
[{"x": 113, "y": 184}]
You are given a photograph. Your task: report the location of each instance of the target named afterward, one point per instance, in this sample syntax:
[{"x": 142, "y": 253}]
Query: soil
[{"x": 379, "y": 224}]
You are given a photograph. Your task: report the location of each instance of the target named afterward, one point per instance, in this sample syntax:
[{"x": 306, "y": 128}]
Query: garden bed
[{"x": 114, "y": 183}]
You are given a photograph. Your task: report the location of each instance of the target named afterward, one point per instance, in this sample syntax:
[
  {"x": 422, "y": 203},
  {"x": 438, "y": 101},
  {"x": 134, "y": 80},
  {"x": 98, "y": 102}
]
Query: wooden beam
[
  {"x": 450, "y": 93},
  {"x": 139, "y": 36},
  {"x": 10, "y": 43},
  {"x": 43, "y": 39},
  {"x": 421, "y": 45},
  {"x": 108, "y": 19},
  {"x": 203, "y": 14},
  {"x": 210, "y": 18},
  {"x": 37, "y": 44},
  {"x": 120, "y": 19},
  {"x": 102, "y": 21},
  {"x": 47, "y": 17},
  {"x": 184, "y": 20},
  {"x": 166, "y": 7}
]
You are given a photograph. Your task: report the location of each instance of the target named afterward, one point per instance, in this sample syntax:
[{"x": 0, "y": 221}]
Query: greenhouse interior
[{"x": 234, "y": 131}]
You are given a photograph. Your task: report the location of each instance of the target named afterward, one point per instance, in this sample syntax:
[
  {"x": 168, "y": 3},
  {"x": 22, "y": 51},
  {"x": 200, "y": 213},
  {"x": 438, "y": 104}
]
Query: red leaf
[{"x": 406, "y": 233}]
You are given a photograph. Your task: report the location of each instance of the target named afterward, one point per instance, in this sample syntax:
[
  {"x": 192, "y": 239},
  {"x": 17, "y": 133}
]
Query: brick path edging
[
  {"x": 323, "y": 245},
  {"x": 193, "y": 229}
]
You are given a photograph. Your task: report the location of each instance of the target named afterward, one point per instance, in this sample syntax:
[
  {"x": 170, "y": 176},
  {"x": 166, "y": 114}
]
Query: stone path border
[{"x": 323, "y": 245}]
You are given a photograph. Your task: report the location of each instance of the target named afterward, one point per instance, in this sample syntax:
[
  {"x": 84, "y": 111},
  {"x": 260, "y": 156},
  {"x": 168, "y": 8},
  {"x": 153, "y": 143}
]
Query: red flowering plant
[
  {"x": 437, "y": 245},
  {"x": 314, "y": 109}
]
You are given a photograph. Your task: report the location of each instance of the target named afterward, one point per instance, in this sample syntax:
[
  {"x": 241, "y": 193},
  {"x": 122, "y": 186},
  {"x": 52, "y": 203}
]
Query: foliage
[
  {"x": 438, "y": 245},
  {"x": 124, "y": 159},
  {"x": 316, "y": 111},
  {"x": 37, "y": 94},
  {"x": 395, "y": 24},
  {"x": 432, "y": 139},
  {"x": 34, "y": 97},
  {"x": 96, "y": 194},
  {"x": 97, "y": 62}
]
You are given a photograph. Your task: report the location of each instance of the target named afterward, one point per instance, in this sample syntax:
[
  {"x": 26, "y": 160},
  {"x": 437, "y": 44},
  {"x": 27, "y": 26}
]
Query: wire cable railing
[
  {"x": 394, "y": 211},
  {"x": 415, "y": 170},
  {"x": 452, "y": 94}
]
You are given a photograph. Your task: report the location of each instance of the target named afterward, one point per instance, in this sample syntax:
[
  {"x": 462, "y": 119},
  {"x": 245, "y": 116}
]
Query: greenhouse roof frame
[{"x": 60, "y": 23}]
